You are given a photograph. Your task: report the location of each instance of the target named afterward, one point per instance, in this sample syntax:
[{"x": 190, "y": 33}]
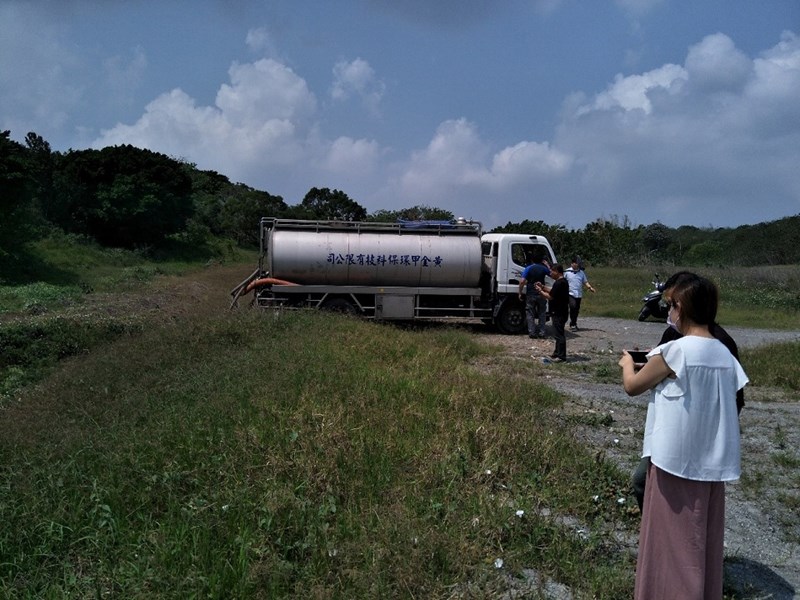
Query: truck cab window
[{"x": 521, "y": 252}]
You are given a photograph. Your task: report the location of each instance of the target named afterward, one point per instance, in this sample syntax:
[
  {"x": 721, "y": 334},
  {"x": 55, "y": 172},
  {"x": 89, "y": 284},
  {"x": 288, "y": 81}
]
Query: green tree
[
  {"x": 656, "y": 237},
  {"x": 705, "y": 254},
  {"x": 42, "y": 164},
  {"x": 326, "y": 204},
  {"x": 242, "y": 210},
  {"x": 413, "y": 213},
  {"x": 16, "y": 211},
  {"x": 123, "y": 196}
]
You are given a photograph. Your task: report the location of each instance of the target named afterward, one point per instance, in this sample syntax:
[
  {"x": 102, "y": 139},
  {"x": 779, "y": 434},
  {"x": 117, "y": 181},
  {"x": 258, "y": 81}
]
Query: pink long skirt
[{"x": 681, "y": 540}]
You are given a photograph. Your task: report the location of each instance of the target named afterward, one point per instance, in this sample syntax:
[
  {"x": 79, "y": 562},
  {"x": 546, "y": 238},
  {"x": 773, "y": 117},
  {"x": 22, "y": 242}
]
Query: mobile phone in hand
[{"x": 638, "y": 356}]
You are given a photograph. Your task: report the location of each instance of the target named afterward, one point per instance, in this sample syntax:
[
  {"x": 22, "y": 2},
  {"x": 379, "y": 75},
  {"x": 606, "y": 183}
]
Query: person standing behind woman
[
  {"x": 576, "y": 278},
  {"x": 558, "y": 296},
  {"x": 692, "y": 438}
]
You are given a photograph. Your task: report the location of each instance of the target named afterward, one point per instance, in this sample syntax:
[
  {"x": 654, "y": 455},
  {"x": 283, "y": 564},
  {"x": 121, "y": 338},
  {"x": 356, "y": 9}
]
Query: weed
[
  {"x": 786, "y": 460},
  {"x": 190, "y": 458}
]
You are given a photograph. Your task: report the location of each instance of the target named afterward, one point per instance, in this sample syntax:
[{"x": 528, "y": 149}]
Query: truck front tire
[{"x": 511, "y": 319}]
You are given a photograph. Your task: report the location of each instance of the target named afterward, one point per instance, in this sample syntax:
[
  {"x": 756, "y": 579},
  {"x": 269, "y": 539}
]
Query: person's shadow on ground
[{"x": 746, "y": 578}]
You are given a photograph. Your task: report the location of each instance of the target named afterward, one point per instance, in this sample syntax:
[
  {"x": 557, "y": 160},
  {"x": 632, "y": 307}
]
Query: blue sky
[{"x": 565, "y": 111}]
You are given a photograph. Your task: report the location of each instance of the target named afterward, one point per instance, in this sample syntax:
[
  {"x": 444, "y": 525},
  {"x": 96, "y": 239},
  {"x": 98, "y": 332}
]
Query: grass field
[
  {"x": 217, "y": 454},
  {"x": 766, "y": 298}
]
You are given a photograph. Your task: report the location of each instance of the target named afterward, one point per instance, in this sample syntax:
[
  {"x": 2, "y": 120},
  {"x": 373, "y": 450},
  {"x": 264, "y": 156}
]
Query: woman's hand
[{"x": 653, "y": 372}]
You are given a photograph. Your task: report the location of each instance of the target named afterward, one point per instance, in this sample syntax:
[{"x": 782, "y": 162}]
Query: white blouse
[{"x": 692, "y": 427}]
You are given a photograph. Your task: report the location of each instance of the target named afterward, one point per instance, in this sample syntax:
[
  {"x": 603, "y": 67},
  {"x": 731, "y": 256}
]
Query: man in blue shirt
[{"x": 535, "y": 302}]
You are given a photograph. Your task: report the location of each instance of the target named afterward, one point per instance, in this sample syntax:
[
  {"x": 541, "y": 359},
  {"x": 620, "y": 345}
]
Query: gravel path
[{"x": 762, "y": 530}]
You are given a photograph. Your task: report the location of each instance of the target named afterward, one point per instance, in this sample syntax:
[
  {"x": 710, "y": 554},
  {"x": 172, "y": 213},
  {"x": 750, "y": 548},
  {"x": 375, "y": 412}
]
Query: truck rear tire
[
  {"x": 511, "y": 319},
  {"x": 340, "y": 305}
]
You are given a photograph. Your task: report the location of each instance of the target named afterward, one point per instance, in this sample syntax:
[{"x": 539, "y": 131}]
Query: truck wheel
[
  {"x": 644, "y": 313},
  {"x": 339, "y": 305},
  {"x": 511, "y": 319}
]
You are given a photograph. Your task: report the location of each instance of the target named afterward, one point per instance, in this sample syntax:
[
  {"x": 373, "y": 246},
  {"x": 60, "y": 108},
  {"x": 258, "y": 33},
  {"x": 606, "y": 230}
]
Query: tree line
[{"x": 128, "y": 197}]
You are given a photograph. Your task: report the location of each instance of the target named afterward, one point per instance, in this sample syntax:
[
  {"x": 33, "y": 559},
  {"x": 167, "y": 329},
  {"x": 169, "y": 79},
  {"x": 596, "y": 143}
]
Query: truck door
[{"x": 516, "y": 261}]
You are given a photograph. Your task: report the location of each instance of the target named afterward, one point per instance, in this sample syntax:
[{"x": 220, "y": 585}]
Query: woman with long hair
[{"x": 692, "y": 438}]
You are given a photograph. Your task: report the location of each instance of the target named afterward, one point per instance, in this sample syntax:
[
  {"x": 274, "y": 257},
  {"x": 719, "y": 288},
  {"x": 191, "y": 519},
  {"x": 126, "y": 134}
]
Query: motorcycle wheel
[{"x": 645, "y": 312}]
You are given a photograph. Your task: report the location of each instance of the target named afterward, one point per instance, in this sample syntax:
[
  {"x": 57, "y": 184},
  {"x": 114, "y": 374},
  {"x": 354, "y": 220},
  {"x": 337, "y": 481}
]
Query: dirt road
[{"x": 762, "y": 526}]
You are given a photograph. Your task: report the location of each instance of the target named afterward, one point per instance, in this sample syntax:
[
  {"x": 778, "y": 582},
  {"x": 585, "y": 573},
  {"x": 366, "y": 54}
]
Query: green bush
[{"x": 32, "y": 348}]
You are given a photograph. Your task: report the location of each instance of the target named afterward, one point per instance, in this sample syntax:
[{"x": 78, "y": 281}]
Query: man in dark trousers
[
  {"x": 639, "y": 478},
  {"x": 535, "y": 303},
  {"x": 558, "y": 296}
]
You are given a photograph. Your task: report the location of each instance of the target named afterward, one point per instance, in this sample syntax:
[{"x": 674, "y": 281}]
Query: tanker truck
[{"x": 409, "y": 270}]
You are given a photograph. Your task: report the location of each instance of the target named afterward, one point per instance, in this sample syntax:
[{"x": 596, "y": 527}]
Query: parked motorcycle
[{"x": 653, "y": 306}]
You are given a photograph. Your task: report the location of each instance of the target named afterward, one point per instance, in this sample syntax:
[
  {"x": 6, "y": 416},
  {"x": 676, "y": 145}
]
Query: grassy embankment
[{"x": 242, "y": 454}]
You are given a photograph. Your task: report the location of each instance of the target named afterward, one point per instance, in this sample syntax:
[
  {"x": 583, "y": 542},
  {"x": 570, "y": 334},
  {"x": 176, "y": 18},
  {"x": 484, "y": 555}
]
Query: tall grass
[
  {"x": 59, "y": 270},
  {"x": 749, "y": 296},
  {"x": 252, "y": 454},
  {"x": 305, "y": 455},
  {"x": 31, "y": 348},
  {"x": 776, "y": 365}
]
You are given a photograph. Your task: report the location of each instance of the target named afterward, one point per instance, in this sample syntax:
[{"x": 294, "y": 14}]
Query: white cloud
[
  {"x": 449, "y": 160},
  {"x": 262, "y": 129},
  {"x": 259, "y": 119},
  {"x": 528, "y": 161},
  {"x": 715, "y": 64},
  {"x": 260, "y": 40},
  {"x": 263, "y": 91},
  {"x": 357, "y": 77},
  {"x": 457, "y": 163},
  {"x": 633, "y": 92},
  {"x": 346, "y": 155},
  {"x": 771, "y": 95},
  {"x": 691, "y": 139}
]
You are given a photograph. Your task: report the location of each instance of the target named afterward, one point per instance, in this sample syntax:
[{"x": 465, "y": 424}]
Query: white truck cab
[{"x": 508, "y": 253}]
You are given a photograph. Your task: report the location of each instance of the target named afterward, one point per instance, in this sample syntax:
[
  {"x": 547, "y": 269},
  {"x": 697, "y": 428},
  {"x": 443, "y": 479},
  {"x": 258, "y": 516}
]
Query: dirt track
[{"x": 762, "y": 533}]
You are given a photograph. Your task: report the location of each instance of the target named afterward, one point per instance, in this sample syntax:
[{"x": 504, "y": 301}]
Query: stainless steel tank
[{"x": 381, "y": 258}]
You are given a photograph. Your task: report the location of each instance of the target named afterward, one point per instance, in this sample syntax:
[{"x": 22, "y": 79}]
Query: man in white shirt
[{"x": 576, "y": 278}]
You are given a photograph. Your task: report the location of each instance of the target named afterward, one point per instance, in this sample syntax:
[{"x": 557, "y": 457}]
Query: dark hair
[
  {"x": 680, "y": 276},
  {"x": 557, "y": 267},
  {"x": 574, "y": 258},
  {"x": 697, "y": 296}
]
